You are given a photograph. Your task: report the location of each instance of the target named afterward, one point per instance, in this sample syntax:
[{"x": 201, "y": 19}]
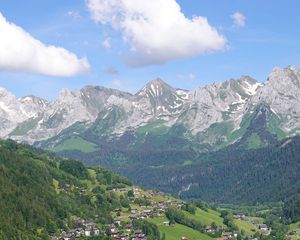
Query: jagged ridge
[{"x": 212, "y": 115}]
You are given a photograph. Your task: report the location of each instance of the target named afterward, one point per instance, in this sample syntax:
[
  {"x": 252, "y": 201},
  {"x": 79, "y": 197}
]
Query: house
[
  {"x": 117, "y": 221},
  {"x": 136, "y": 191},
  {"x": 134, "y": 211},
  {"x": 66, "y": 237},
  {"x": 128, "y": 227},
  {"x": 124, "y": 237},
  {"x": 139, "y": 235},
  {"x": 115, "y": 235},
  {"x": 240, "y": 216},
  {"x": 96, "y": 232},
  {"x": 227, "y": 235},
  {"x": 209, "y": 229},
  {"x": 118, "y": 210},
  {"x": 77, "y": 232},
  {"x": 166, "y": 223},
  {"x": 88, "y": 232},
  {"x": 262, "y": 227},
  {"x": 114, "y": 230}
]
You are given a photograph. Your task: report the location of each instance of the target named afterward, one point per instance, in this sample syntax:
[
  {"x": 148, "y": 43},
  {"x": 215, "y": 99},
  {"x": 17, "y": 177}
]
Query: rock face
[
  {"x": 210, "y": 103},
  {"x": 282, "y": 93},
  {"x": 15, "y": 111},
  {"x": 215, "y": 113}
]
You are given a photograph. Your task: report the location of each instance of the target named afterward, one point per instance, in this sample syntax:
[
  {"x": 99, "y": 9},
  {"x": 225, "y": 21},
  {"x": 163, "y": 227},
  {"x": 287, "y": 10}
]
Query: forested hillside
[
  {"x": 44, "y": 197},
  {"x": 250, "y": 176},
  {"x": 40, "y": 194}
]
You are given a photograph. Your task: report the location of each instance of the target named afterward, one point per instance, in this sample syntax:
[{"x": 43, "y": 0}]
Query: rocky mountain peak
[
  {"x": 33, "y": 99},
  {"x": 67, "y": 94},
  {"x": 282, "y": 79},
  {"x": 155, "y": 88},
  {"x": 197, "y": 110},
  {"x": 33, "y": 106},
  {"x": 158, "y": 82},
  {"x": 161, "y": 98}
]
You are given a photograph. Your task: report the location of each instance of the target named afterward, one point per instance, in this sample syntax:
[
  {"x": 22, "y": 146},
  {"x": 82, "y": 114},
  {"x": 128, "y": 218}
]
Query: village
[{"x": 122, "y": 227}]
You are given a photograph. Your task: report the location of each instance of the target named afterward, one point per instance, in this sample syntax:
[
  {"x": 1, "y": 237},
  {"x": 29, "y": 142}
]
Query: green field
[
  {"x": 206, "y": 218},
  {"x": 246, "y": 226},
  {"x": 76, "y": 143},
  {"x": 177, "y": 231},
  {"x": 260, "y": 220}
]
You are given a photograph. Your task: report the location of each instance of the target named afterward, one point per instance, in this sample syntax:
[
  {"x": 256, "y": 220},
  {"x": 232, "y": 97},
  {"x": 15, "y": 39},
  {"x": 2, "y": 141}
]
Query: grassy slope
[
  {"x": 206, "y": 218},
  {"x": 75, "y": 143},
  {"x": 254, "y": 142},
  {"x": 177, "y": 231},
  {"x": 246, "y": 226},
  {"x": 274, "y": 126},
  {"x": 259, "y": 219},
  {"x": 155, "y": 127},
  {"x": 24, "y": 127}
]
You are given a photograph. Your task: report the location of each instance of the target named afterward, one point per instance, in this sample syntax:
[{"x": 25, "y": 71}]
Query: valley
[
  {"x": 188, "y": 140},
  {"x": 149, "y": 120},
  {"x": 73, "y": 201}
]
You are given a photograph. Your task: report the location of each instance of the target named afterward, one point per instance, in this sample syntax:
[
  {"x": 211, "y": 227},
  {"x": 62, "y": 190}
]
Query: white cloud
[
  {"x": 21, "y": 52},
  {"x": 156, "y": 31},
  {"x": 239, "y": 20},
  {"x": 106, "y": 43}
]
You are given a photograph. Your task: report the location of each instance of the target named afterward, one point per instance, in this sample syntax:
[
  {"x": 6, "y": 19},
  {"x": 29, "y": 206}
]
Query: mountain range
[
  {"x": 159, "y": 126},
  {"x": 213, "y": 114}
]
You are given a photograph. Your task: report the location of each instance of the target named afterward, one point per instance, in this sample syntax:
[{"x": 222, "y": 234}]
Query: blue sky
[{"x": 268, "y": 37}]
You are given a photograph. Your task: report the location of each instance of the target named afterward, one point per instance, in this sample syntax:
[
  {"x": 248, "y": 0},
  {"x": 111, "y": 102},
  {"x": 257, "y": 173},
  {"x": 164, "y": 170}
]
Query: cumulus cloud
[
  {"x": 156, "y": 31},
  {"x": 21, "y": 52},
  {"x": 239, "y": 20}
]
